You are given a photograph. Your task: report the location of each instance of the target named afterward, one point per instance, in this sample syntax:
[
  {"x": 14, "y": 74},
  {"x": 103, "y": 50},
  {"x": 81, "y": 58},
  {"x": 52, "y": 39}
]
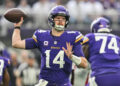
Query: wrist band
[
  {"x": 76, "y": 59},
  {"x": 17, "y": 27}
]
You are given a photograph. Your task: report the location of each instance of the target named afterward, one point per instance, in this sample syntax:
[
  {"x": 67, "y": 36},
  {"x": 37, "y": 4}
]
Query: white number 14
[{"x": 59, "y": 58}]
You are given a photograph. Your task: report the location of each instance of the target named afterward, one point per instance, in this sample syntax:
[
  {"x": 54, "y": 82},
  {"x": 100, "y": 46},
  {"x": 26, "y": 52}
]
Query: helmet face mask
[
  {"x": 100, "y": 25},
  {"x": 58, "y": 11}
]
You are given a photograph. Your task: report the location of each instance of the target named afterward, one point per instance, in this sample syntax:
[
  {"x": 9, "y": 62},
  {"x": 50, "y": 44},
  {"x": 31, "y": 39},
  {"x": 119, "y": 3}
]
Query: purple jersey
[
  {"x": 104, "y": 53},
  {"x": 4, "y": 62},
  {"x": 55, "y": 65}
]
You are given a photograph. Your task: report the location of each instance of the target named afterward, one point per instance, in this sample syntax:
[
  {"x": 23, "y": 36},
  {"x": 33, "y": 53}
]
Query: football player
[
  {"x": 56, "y": 57},
  {"x": 4, "y": 75},
  {"x": 103, "y": 51}
]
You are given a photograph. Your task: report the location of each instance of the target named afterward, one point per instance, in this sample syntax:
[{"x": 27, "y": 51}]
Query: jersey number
[
  {"x": 59, "y": 58},
  {"x": 111, "y": 45},
  {"x": 1, "y": 67}
]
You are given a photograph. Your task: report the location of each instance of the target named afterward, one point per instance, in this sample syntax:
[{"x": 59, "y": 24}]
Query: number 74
[{"x": 111, "y": 45}]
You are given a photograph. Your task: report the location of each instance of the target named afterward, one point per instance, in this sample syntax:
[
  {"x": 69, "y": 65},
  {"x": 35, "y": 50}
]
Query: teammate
[
  {"x": 103, "y": 52},
  {"x": 56, "y": 60},
  {"x": 4, "y": 75}
]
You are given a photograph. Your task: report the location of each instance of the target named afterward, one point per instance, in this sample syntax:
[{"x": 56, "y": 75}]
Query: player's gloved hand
[
  {"x": 18, "y": 25},
  {"x": 68, "y": 51}
]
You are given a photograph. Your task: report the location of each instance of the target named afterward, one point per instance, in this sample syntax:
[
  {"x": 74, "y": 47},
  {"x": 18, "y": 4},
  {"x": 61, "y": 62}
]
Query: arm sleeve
[
  {"x": 85, "y": 45},
  {"x": 78, "y": 37},
  {"x": 86, "y": 39},
  {"x": 77, "y": 50},
  {"x": 30, "y": 43},
  {"x": 5, "y": 53},
  {"x": 7, "y": 62}
]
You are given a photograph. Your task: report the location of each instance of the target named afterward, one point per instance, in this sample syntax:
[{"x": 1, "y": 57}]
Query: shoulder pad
[{"x": 42, "y": 31}]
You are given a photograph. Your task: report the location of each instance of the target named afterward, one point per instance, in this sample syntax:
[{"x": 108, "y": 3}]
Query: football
[{"x": 14, "y": 15}]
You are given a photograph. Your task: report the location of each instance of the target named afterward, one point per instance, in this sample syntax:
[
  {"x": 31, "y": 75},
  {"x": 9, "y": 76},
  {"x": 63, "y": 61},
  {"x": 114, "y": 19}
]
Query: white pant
[{"x": 42, "y": 82}]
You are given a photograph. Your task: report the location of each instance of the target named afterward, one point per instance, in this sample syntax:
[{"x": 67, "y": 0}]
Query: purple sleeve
[
  {"x": 79, "y": 37},
  {"x": 7, "y": 62},
  {"x": 86, "y": 38},
  {"x": 30, "y": 43},
  {"x": 6, "y": 53},
  {"x": 77, "y": 50}
]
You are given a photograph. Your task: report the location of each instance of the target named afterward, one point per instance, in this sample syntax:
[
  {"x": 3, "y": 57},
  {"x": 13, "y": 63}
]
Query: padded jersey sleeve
[
  {"x": 78, "y": 37},
  {"x": 7, "y": 62},
  {"x": 77, "y": 48},
  {"x": 31, "y": 43},
  {"x": 86, "y": 38},
  {"x": 6, "y": 54}
]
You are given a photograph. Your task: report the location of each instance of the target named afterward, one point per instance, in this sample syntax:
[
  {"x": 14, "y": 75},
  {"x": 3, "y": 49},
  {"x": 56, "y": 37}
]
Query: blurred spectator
[
  {"x": 4, "y": 49},
  {"x": 81, "y": 76},
  {"x": 105, "y": 3},
  {"x": 1, "y": 2},
  {"x": 84, "y": 10},
  {"x": 98, "y": 9},
  {"x": 27, "y": 9},
  {"x": 57, "y": 2},
  {"x": 111, "y": 11},
  {"x": 23, "y": 60},
  {"x": 118, "y": 9},
  {"x": 25, "y": 78},
  {"x": 90, "y": 10},
  {"x": 16, "y": 2},
  {"x": 40, "y": 13},
  {"x": 3, "y": 22},
  {"x": 25, "y": 6},
  {"x": 73, "y": 7},
  {"x": 13, "y": 68},
  {"x": 63, "y": 2},
  {"x": 31, "y": 2},
  {"x": 6, "y": 5},
  {"x": 81, "y": 11},
  {"x": 108, "y": 3}
]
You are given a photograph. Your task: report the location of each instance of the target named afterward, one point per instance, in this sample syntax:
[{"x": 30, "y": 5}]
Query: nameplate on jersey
[{"x": 45, "y": 43}]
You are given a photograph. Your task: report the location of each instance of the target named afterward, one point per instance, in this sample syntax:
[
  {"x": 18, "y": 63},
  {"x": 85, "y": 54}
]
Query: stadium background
[{"x": 82, "y": 13}]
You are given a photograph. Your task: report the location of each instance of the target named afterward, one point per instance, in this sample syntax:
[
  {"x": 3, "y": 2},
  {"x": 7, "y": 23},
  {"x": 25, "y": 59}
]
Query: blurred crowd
[
  {"x": 82, "y": 12},
  {"x": 24, "y": 68}
]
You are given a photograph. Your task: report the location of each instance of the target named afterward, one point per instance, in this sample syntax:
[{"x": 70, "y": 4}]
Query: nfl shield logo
[
  {"x": 45, "y": 43},
  {"x": 55, "y": 42}
]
